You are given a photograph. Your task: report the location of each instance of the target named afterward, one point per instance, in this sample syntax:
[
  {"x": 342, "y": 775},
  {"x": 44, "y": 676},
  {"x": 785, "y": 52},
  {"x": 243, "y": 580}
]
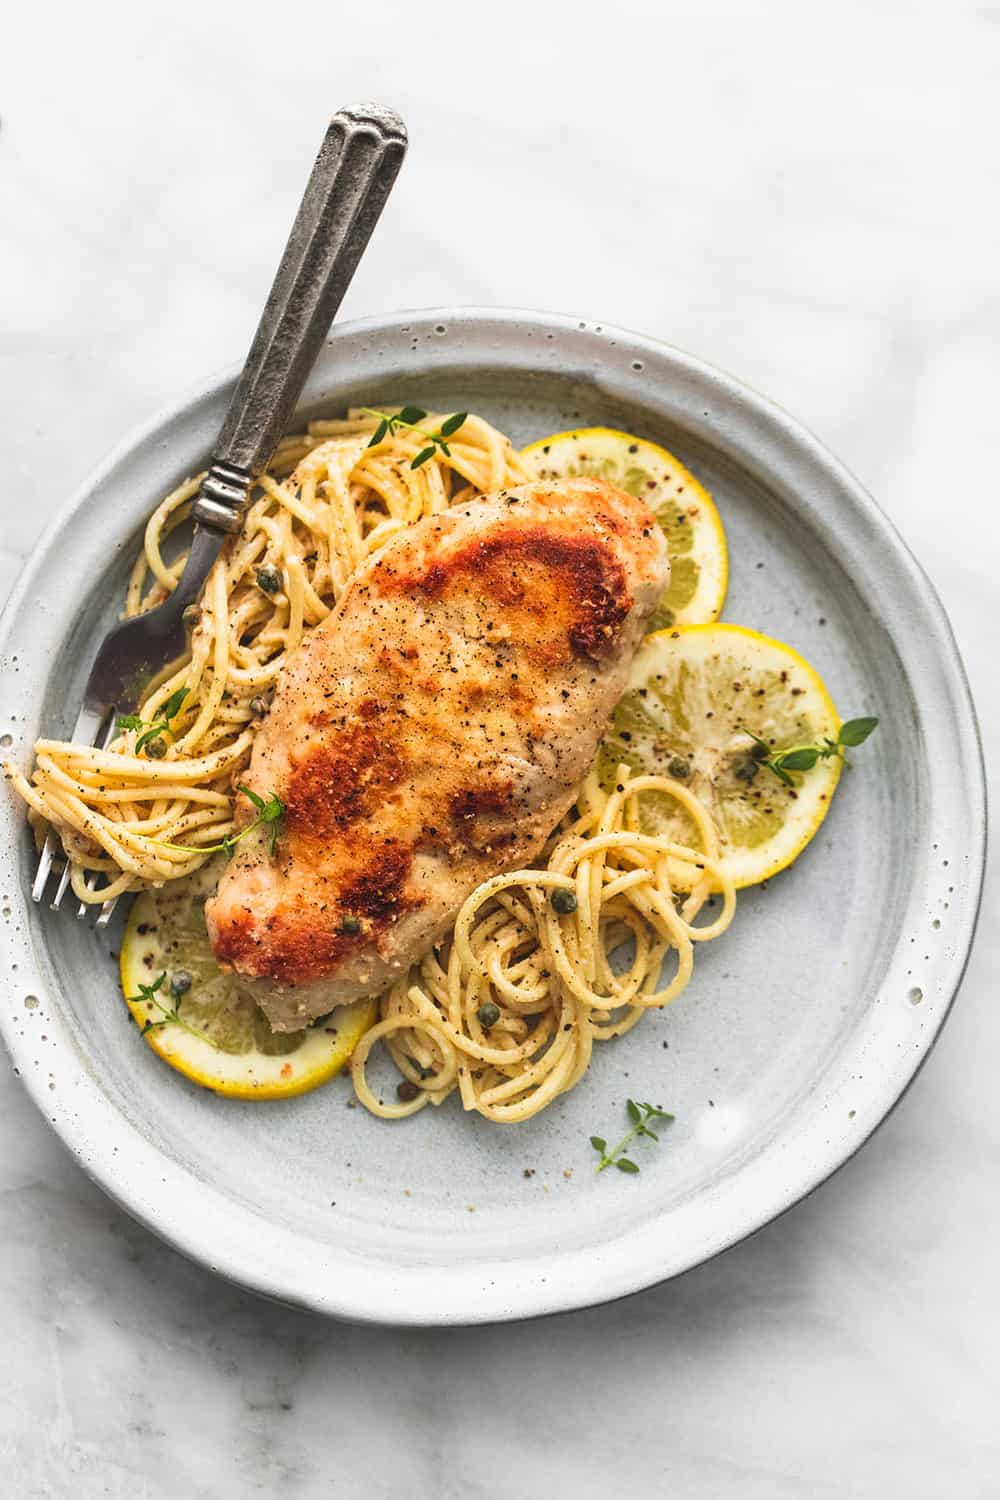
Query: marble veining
[{"x": 800, "y": 195}]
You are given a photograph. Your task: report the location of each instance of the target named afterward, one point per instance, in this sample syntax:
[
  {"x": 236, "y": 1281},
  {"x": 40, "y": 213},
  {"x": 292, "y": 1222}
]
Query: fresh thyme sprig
[
  {"x": 804, "y": 757},
  {"x": 640, "y": 1115},
  {"x": 147, "y": 995},
  {"x": 162, "y": 724},
  {"x": 270, "y": 810},
  {"x": 410, "y": 417}
]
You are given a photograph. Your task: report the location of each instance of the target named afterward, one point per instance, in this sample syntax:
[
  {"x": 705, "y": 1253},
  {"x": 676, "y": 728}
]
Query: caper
[
  {"x": 744, "y": 767},
  {"x": 180, "y": 983},
  {"x": 156, "y": 749},
  {"x": 678, "y": 769},
  {"x": 488, "y": 1014},
  {"x": 563, "y": 901},
  {"x": 268, "y": 578},
  {"x": 406, "y": 1091},
  {"x": 350, "y": 925}
]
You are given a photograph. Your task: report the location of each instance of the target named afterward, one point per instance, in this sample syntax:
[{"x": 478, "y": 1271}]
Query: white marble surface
[{"x": 803, "y": 194}]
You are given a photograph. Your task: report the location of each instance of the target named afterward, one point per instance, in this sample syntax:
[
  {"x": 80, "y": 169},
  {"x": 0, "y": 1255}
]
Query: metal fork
[{"x": 358, "y": 161}]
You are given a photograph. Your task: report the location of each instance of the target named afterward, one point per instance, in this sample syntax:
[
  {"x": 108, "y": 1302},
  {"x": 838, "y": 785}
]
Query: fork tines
[{"x": 87, "y": 731}]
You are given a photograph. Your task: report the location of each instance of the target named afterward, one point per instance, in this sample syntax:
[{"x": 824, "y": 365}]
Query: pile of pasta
[
  {"x": 541, "y": 963},
  {"x": 508, "y": 1009}
]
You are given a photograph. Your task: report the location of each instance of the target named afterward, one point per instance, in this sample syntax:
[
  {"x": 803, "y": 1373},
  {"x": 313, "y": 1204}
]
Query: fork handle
[{"x": 357, "y": 164}]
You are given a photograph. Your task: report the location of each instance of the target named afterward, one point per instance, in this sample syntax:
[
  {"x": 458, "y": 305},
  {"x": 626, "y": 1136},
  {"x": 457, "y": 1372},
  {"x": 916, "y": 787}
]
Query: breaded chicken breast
[{"x": 431, "y": 732}]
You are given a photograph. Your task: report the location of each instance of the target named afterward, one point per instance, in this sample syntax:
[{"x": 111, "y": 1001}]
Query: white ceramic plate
[{"x": 801, "y": 1028}]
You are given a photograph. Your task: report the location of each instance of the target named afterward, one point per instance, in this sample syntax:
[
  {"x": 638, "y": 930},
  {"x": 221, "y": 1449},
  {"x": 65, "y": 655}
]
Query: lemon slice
[
  {"x": 222, "y": 1040},
  {"x": 696, "y": 541},
  {"x": 697, "y": 696}
]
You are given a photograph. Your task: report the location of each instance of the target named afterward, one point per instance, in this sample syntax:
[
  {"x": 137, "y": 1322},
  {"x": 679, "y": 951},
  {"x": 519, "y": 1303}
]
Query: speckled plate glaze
[{"x": 801, "y": 1028}]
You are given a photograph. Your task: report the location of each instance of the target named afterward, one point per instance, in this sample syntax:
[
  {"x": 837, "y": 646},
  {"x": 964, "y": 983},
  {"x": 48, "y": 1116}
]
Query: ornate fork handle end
[
  {"x": 356, "y": 167},
  {"x": 223, "y": 497}
]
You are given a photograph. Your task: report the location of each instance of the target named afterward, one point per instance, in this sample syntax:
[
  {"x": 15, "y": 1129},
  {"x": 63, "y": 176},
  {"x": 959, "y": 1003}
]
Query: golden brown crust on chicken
[{"x": 432, "y": 731}]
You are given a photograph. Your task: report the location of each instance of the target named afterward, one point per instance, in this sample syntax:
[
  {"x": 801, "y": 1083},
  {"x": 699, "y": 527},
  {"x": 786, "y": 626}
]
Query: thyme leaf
[
  {"x": 410, "y": 417},
  {"x": 162, "y": 724},
  {"x": 640, "y": 1115},
  {"x": 169, "y": 1016},
  {"x": 782, "y": 763},
  {"x": 856, "y": 731},
  {"x": 270, "y": 813}
]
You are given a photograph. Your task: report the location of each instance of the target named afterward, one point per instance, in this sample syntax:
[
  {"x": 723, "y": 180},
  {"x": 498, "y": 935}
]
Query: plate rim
[{"x": 505, "y": 1300}]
